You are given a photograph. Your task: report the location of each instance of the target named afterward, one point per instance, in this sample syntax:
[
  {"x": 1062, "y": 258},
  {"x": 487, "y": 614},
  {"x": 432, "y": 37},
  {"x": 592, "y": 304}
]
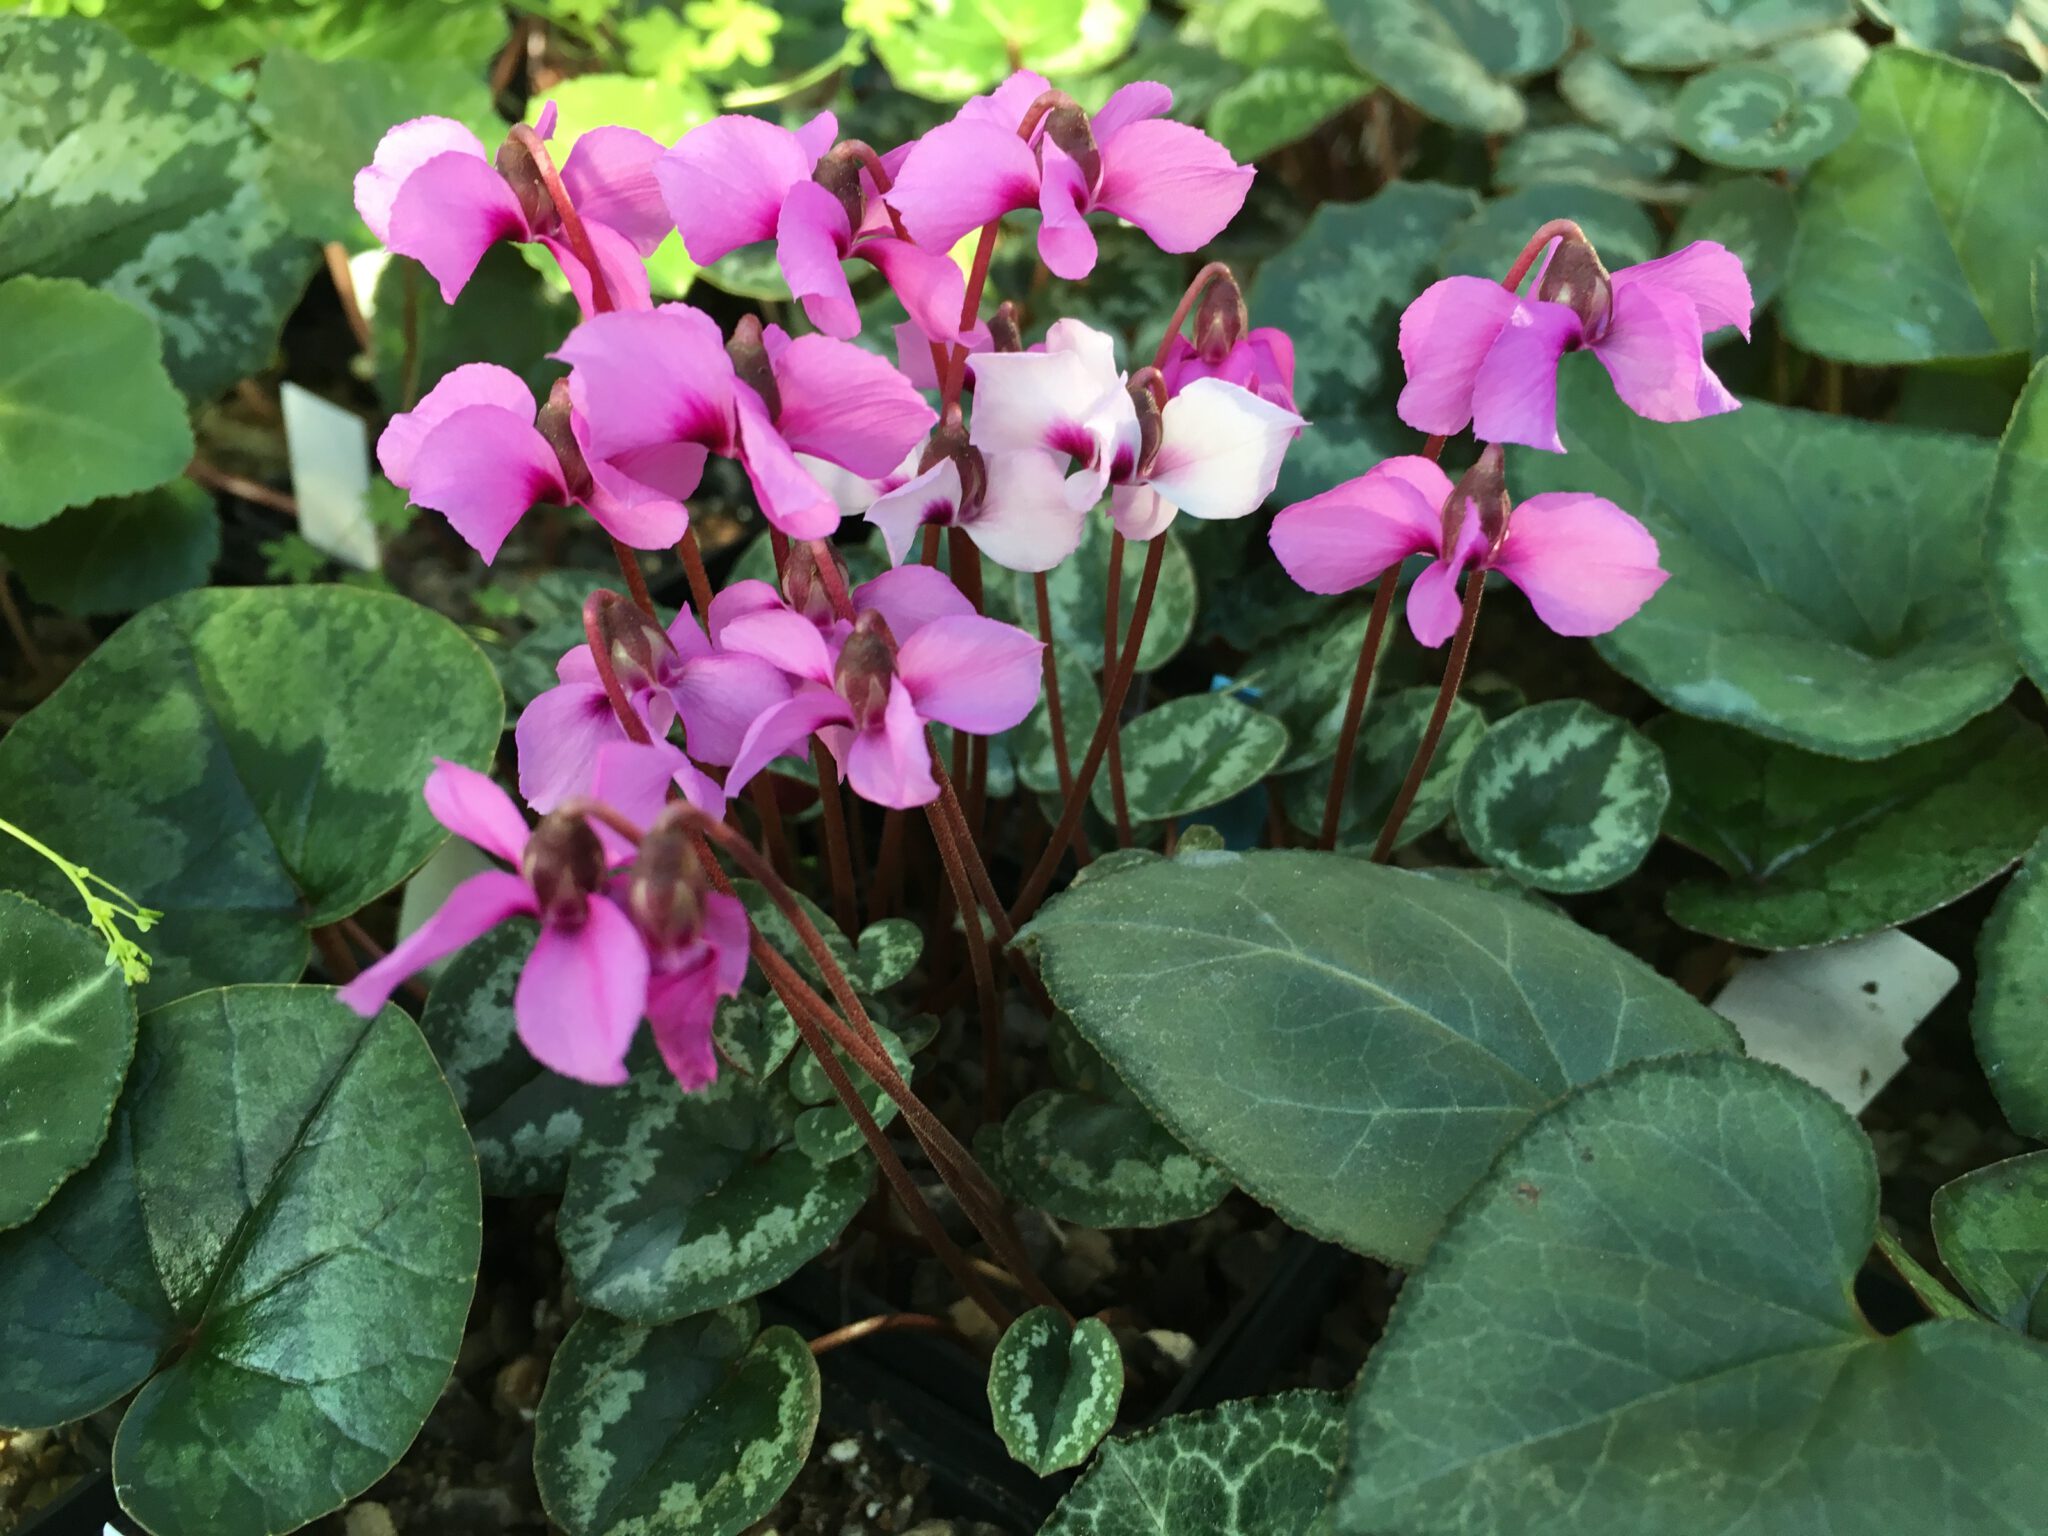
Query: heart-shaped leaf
[
  {"x": 1079, "y": 591},
  {"x": 280, "y": 1238},
  {"x": 524, "y": 1119},
  {"x": 1909, "y": 249},
  {"x": 118, "y": 556},
  {"x": 756, "y": 1035},
  {"x": 1191, "y": 753},
  {"x": 1754, "y": 118},
  {"x": 1563, "y": 797},
  {"x": 1487, "y": 244},
  {"x": 1684, "y": 34},
  {"x": 1827, "y": 581},
  {"x": 694, "y": 1428},
  {"x": 1822, "y": 850},
  {"x": 1455, "y": 60},
  {"x": 1753, "y": 216},
  {"x": 1634, "y": 108},
  {"x": 86, "y": 409},
  {"x": 1101, "y": 1160},
  {"x": 1053, "y": 1388},
  {"x": 886, "y": 952},
  {"x": 824, "y": 1130},
  {"x": 2016, "y": 535},
  {"x": 1991, "y": 1226},
  {"x": 1260, "y": 1466},
  {"x": 2012, "y": 978},
  {"x": 1370, "y": 1037},
  {"x": 1643, "y": 1318},
  {"x": 681, "y": 1202},
  {"x": 67, "y": 1030},
  {"x": 1569, "y": 154},
  {"x": 1387, "y": 740},
  {"x": 249, "y": 762},
  {"x": 152, "y": 187}
]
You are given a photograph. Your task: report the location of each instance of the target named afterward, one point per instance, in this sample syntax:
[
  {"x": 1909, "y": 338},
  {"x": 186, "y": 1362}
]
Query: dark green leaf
[
  {"x": 1487, "y": 244},
  {"x": 1752, "y": 117},
  {"x": 1191, "y": 753},
  {"x": 1387, "y": 741},
  {"x": 1279, "y": 103},
  {"x": 2016, "y": 538},
  {"x": 118, "y": 556},
  {"x": 1753, "y": 216},
  {"x": 1053, "y": 1388},
  {"x": 1079, "y": 590},
  {"x": 2012, "y": 978},
  {"x": 1569, "y": 153},
  {"x": 1992, "y": 1228},
  {"x": 1103, "y": 1162},
  {"x": 507, "y": 315},
  {"x": 1456, "y": 60}
]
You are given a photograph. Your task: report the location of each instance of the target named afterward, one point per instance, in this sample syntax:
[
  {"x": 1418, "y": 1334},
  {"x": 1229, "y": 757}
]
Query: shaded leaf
[
  {"x": 1991, "y": 1226},
  {"x": 2012, "y": 978},
  {"x": 1387, "y": 741},
  {"x": 1754, "y": 217},
  {"x": 1191, "y": 753},
  {"x": 1487, "y": 244},
  {"x": 1456, "y": 60},
  {"x": 1753, "y": 118},
  {"x": 2016, "y": 533},
  {"x": 1279, "y": 103},
  {"x": 119, "y": 556},
  {"x": 1053, "y": 1388},
  {"x": 1103, "y": 1162},
  {"x": 1080, "y": 587}
]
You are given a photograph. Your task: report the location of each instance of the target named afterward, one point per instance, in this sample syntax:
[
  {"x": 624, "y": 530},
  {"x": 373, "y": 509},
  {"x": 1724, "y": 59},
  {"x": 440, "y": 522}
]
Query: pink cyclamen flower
[
  {"x": 917, "y": 652},
  {"x": 662, "y": 390},
  {"x": 1584, "y": 564},
  {"x": 1174, "y": 182},
  {"x": 1260, "y": 360},
  {"x": 1477, "y": 353},
  {"x": 736, "y": 180},
  {"x": 432, "y": 193},
  {"x": 474, "y": 451},
  {"x": 697, "y": 949},
  {"x": 583, "y": 989}
]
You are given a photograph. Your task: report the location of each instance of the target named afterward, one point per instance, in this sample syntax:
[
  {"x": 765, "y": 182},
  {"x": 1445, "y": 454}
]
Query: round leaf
[
  {"x": 1634, "y": 108},
  {"x": 524, "y": 1119},
  {"x": 280, "y": 1237},
  {"x": 1454, "y": 59},
  {"x": 1991, "y": 1226},
  {"x": 1563, "y": 797},
  {"x": 1753, "y": 118},
  {"x": 1827, "y": 584},
  {"x": 2016, "y": 536},
  {"x": 1910, "y": 247},
  {"x": 1279, "y": 103},
  {"x": 67, "y": 1029},
  {"x": 1103, "y": 1162},
  {"x": 1644, "y": 1316},
  {"x": 947, "y": 50},
  {"x": 118, "y": 556},
  {"x": 86, "y": 409},
  {"x": 1079, "y": 592},
  {"x": 2012, "y": 967},
  {"x": 692, "y": 1429},
  {"x": 249, "y": 761},
  {"x": 1684, "y": 34},
  {"x": 1487, "y": 244},
  {"x": 680, "y": 1202},
  {"x": 1257, "y": 1467},
  {"x": 1568, "y": 153},
  {"x": 1822, "y": 850},
  {"x": 1053, "y": 1389},
  {"x": 1369, "y": 1037},
  {"x": 1387, "y": 741},
  {"x": 1191, "y": 753},
  {"x": 1754, "y": 217}
]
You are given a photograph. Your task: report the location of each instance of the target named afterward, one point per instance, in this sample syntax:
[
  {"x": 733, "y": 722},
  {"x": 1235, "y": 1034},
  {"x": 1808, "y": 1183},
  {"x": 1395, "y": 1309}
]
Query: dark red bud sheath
[
  {"x": 553, "y": 424},
  {"x": 638, "y": 648},
  {"x": 804, "y": 586},
  {"x": 867, "y": 665},
  {"x": 1577, "y": 279},
  {"x": 516, "y": 164},
  {"x": 839, "y": 174},
  {"x": 1068, "y": 127},
  {"x": 564, "y": 863},
  {"x": 1482, "y": 491},
  {"x": 749, "y": 354},
  {"x": 1148, "y": 398},
  {"x": 1221, "y": 321},
  {"x": 665, "y": 895},
  {"x": 1003, "y": 329}
]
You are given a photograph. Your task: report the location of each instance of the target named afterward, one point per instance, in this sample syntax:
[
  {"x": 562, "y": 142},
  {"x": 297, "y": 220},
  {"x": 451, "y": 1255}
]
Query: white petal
[
  {"x": 1220, "y": 449},
  {"x": 1026, "y": 521}
]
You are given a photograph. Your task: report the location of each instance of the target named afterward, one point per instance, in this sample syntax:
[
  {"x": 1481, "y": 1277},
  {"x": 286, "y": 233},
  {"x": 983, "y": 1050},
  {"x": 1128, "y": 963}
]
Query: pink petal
[
  {"x": 681, "y": 1006},
  {"x": 448, "y": 213},
  {"x": 472, "y": 806},
  {"x": 632, "y": 778},
  {"x": 1445, "y": 336},
  {"x": 720, "y": 696},
  {"x": 701, "y": 790},
  {"x": 581, "y": 995},
  {"x": 660, "y": 471},
  {"x": 930, "y": 287},
  {"x": 811, "y": 237},
  {"x": 481, "y": 469},
  {"x": 651, "y": 378},
  {"x": 626, "y": 284},
  {"x": 1128, "y": 104},
  {"x": 634, "y": 514},
  {"x": 890, "y": 763},
  {"x": 1005, "y": 106},
  {"x": 739, "y": 599},
  {"x": 914, "y": 353},
  {"x": 784, "y": 728},
  {"x": 816, "y": 137},
  {"x": 1515, "y": 397},
  {"x": 1652, "y": 352},
  {"x": 848, "y": 406},
  {"x": 557, "y": 739},
  {"x": 544, "y": 125},
  {"x": 403, "y": 150},
  {"x": 726, "y": 930},
  {"x": 474, "y": 907},
  {"x": 785, "y": 640},
  {"x": 977, "y": 675},
  {"x": 1347, "y": 536},
  {"x": 910, "y": 597},
  {"x": 724, "y": 182},
  {"x": 609, "y": 175},
  {"x": 932, "y": 498},
  {"x": 1434, "y": 603},
  {"x": 790, "y": 499},
  {"x": 1026, "y": 520},
  {"x": 1715, "y": 398},
  {"x": 471, "y": 384},
  {"x": 959, "y": 176},
  {"x": 1708, "y": 274},
  {"x": 1065, "y": 241},
  {"x": 1220, "y": 449},
  {"x": 1174, "y": 182},
  {"x": 1585, "y": 564}
]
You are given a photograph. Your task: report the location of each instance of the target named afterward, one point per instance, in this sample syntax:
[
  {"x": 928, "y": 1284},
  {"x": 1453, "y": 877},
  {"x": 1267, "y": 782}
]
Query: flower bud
[
  {"x": 804, "y": 586},
  {"x": 1003, "y": 329},
  {"x": 1481, "y": 491},
  {"x": 839, "y": 174},
  {"x": 1221, "y": 321},
  {"x": 949, "y": 441},
  {"x": 665, "y": 895},
  {"x": 554, "y": 425},
  {"x": 521, "y": 171},
  {"x": 1576, "y": 279},
  {"x": 867, "y": 665},
  {"x": 641, "y": 654},
  {"x": 749, "y": 354},
  {"x": 564, "y": 863},
  {"x": 1068, "y": 127},
  {"x": 1147, "y": 390}
]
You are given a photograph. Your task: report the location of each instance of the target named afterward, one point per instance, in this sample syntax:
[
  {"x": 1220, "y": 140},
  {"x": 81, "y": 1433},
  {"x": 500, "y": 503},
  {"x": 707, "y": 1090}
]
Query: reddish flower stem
[
  {"x": 832, "y": 808},
  {"x": 887, "y": 1322},
  {"x": 565, "y": 209},
  {"x": 989, "y": 1002},
  {"x": 1555, "y": 229},
  {"x": 1055, "y": 715},
  {"x": 833, "y": 577},
  {"x": 1447, "y": 692},
  {"x": 636, "y": 583},
  {"x": 693, "y": 568},
  {"x": 1112, "y": 591},
  {"x": 1188, "y": 301},
  {"x": 600, "y": 653}
]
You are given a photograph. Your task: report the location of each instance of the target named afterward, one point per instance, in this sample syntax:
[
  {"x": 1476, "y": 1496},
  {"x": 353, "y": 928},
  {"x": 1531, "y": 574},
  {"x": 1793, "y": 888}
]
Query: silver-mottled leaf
[
  {"x": 1054, "y": 1389},
  {"x": 1191, "y": 753}
]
